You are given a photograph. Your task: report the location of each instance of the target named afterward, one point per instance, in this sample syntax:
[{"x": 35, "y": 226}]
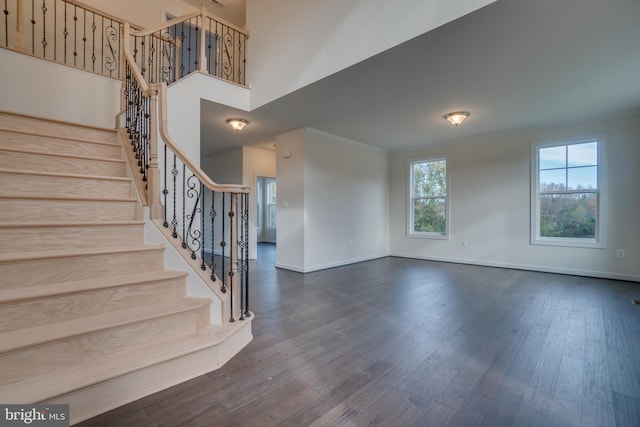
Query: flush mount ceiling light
[
  {"x": 237, "y": 124},
  {"x": 457, "y": 117}
]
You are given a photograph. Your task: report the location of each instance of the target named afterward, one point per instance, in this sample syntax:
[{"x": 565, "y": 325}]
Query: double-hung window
[
  {"x": 567, "y": 192},
  {"x": 429, "y": 199}
]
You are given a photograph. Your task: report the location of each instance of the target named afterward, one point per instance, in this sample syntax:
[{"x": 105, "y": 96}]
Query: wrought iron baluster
[
  {"x": 184, "y": 207},
  {"x": 209, "y": 47},
  {"x": 151, "y": 58},
  {"x": 231, "y": 272},
  {"x": 227, "y": 63},
  {"x": 44, "y": 29},
  {"x": 165, "y": 224},
  {"x": 146, "y": 139},
  {"x": 84, "y": 40},
  {"x": 6, "y": 23},
  {"x": 193, "y": 235},
  {"x": 216, "y": 64},
  {"x": 143, "y": 46},
  {"x": 33, "y": 27},
  {"x": 247, "y": 313},
  {"x": 223, "y": 287},
  {"x": 212, "y": 214},
  {"x": 102, "y": 45},
  {"x": 241, "y": 243},
  {"x": 182, "y": 37},
  {"x": 112, "y": 36},
  {"x": 242, "y": 56},
  {"x": 197, "y": 48},
  {"x": 203, "y": 265},
  {"x": 93, "y": 43},
  {"x": 189, "y": 49},
  {"x": 174, "y": 221},
  {"x": 75, "y": 34},
  {"x": 65, "y": 32}
]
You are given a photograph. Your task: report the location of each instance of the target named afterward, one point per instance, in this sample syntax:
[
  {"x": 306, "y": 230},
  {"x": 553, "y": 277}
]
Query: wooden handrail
[
  {"x": 166, "y": 24},
  {"x": 161, "y": 90},
  {"x": 164, "y": 132},
  {"x": 195, "y": 14},
  {"x": 102, "y": 13}
]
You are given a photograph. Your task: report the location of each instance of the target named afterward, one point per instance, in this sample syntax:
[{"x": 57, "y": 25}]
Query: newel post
[
  {"x": 153, "y": 180},
  {"x": 203, "y": 59}
]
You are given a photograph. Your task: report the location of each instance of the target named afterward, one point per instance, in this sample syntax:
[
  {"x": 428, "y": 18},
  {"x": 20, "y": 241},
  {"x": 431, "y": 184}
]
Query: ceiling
[{"x": 512, "y": 64}]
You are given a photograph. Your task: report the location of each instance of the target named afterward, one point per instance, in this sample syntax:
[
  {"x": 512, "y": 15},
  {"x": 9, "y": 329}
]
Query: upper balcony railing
[
  {"x": 71, "y": 33},
  {"x": 195, "y": 42}
]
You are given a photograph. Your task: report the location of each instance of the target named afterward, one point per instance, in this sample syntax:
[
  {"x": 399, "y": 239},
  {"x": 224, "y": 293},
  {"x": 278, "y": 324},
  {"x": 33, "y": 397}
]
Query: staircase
[{"x": 88, "y": 314}]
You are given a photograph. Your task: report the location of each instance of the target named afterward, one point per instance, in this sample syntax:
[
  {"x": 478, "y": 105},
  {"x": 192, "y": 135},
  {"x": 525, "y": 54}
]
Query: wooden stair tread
[
  {"x": 43, "y": 126},
  {"x": 69, "y": 224},
  {"x": 78, "y": 252},
  {"x": 42, "y": 291},
  {"x": 102, "y": 368},
  {"x": 63, "y": 175},
  {"x": 98, "y": 198},
  {"x": 27, "y": 337},
  {"x": 62, "y": 137},
  {"x": 54, "y": 154}
]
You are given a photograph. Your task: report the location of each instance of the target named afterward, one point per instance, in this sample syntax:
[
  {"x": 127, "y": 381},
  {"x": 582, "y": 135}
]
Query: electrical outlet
[{"x": 620, "y": 253}]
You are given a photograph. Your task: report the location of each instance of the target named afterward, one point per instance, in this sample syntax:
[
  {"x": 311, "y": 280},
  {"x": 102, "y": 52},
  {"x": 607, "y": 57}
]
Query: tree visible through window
[
  {"x": 567, "y": 196},
  {"x": 429, "y": 197}
]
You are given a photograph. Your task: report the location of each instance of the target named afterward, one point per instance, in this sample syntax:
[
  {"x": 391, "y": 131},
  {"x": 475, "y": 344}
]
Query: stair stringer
[{"x": 175, "y": 258}]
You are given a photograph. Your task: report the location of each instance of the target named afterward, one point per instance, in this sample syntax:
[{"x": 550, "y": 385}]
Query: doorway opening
[{"x": 266, "y": 209}]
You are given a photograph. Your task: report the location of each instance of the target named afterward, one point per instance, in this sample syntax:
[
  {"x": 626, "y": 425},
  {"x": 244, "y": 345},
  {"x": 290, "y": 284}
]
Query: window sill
[
  {"x": 434, "y": 236},
  {"x": 569, "y": 243}
]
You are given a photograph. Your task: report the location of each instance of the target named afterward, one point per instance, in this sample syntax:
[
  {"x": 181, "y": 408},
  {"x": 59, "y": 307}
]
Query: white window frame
[
  {"x": 599, "y": 241},
  {"x": 447, "y": 204}
]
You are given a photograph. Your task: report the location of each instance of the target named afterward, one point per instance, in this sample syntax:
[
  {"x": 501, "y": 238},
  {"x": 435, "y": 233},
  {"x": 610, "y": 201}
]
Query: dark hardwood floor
[{"x": 399, "y": 342}]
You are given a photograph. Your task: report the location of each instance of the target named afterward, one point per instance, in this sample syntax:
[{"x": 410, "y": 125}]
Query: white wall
[
  {"x": 294, "y": 43},
  {"x": 332, "y": 201},
  {"x": 225, "y": 167},
  {"x": 291, "y": 209},
  {"x": 41, "y": 88},
  {"x": 490, "y": 202},
  {"x": 346, "y": 201}
]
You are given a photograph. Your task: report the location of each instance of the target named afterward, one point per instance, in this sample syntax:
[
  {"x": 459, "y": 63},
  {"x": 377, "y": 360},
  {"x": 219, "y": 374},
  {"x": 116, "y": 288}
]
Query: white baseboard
[
  {"x": 327, "y": 266},
  {"x": 541, "y": 268}
]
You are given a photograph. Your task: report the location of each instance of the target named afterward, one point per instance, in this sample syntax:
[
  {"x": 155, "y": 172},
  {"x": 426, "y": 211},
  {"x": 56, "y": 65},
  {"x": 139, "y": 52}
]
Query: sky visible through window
[{"x": 569, "y": 167}]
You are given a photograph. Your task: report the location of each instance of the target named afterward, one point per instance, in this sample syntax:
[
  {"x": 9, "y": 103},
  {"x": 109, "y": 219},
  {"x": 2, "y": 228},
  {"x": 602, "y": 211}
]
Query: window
[
  {"x": 567, "y": 192},
  {"x": 267, "y": 207},
  {"x": 270, "y": 185},
  {"x": 429, "y": 199}
]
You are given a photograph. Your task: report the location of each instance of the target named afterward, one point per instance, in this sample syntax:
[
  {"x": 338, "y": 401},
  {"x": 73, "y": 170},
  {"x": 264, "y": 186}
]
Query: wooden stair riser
[
  {"x": 58, "y": 270},
  {"x": 19, "y": 123},
  {"x": 60, "y": 354},
  {"x": 92, "y": 387},
  {"x": 24, "y": 239},
  {"x": 56, "y": 308},
  {"x": 46, "y": 163},
  {"x": 88, "y": 314},
  {"x": 30, "y": 142},
  {"x": 14, "y": 211},
  {"x": 117, "y": 391},
  {"x": 43, "y": 185}
]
